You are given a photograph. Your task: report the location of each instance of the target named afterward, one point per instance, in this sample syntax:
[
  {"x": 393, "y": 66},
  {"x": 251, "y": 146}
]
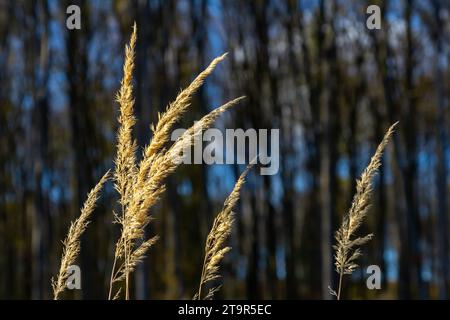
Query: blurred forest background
[{"x": 310, "y": 68}]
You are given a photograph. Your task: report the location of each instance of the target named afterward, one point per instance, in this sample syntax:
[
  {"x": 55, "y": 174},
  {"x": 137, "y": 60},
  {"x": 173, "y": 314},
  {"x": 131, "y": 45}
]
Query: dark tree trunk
[
  {"x": 83, "y": 135},
  {"x": 442, "y": 146}
]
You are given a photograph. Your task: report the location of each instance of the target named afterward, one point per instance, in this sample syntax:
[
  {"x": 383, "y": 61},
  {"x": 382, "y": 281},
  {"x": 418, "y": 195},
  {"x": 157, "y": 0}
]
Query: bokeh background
[{"x": 310, "y": 68}]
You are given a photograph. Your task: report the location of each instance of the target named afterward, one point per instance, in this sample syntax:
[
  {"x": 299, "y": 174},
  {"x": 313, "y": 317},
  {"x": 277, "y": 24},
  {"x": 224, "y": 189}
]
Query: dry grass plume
[
  {"x": 347, "y": 249},
  {"x": 71, "y": 245},
  {"x": 215, "y": 248},
  {"x": 125, "y": 162},
  {"x": 140, "y": 185}
]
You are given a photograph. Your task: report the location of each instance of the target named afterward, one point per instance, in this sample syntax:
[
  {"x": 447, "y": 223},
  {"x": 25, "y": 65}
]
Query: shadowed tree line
[{"x": 310, "y": 68}]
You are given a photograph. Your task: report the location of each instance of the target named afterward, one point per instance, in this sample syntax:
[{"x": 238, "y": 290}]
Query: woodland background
[{"x": 310, "y": 68}]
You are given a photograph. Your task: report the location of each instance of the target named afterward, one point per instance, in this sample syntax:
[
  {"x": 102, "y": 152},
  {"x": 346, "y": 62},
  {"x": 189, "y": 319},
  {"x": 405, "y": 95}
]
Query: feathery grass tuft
[
  {"x": 347, "y": 248},
  {"x": 163, "y": 165},
  {"x": 71, "y": 245},
  {"x": 148, "y": 192},
  {"x": 125, "y": 162},
  {"x": 176, "y": 109},
  {"x": 214, "y": 248},
  {"x": 141, "y": 185}
]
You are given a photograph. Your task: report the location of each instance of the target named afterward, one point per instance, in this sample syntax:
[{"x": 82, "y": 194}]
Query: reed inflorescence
[
  {"x": 215, "y": 248},
  {"x": 71, "y": 245},
  {"x": 140, "y": 185},
  {"x": 347, "y": 249}
]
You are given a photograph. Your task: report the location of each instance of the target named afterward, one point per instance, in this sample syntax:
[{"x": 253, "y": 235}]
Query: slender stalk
[
  {"x": 199, "y": 293},
  {"x": 112, "y": 277},
  {"x": 127, "y": 274},
  {"x": 341, "y": 275}
]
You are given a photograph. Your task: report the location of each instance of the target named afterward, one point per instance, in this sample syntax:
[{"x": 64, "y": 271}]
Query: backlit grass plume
[
  {"x": 71, "y": 245},
  {"x": 347, "y": 249},
  {"x": 176, "y": 109},
  {"x": 141, "y": 185},
  {"x": 125, "y": 162},
  {"x": 215, "y": 248}
]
